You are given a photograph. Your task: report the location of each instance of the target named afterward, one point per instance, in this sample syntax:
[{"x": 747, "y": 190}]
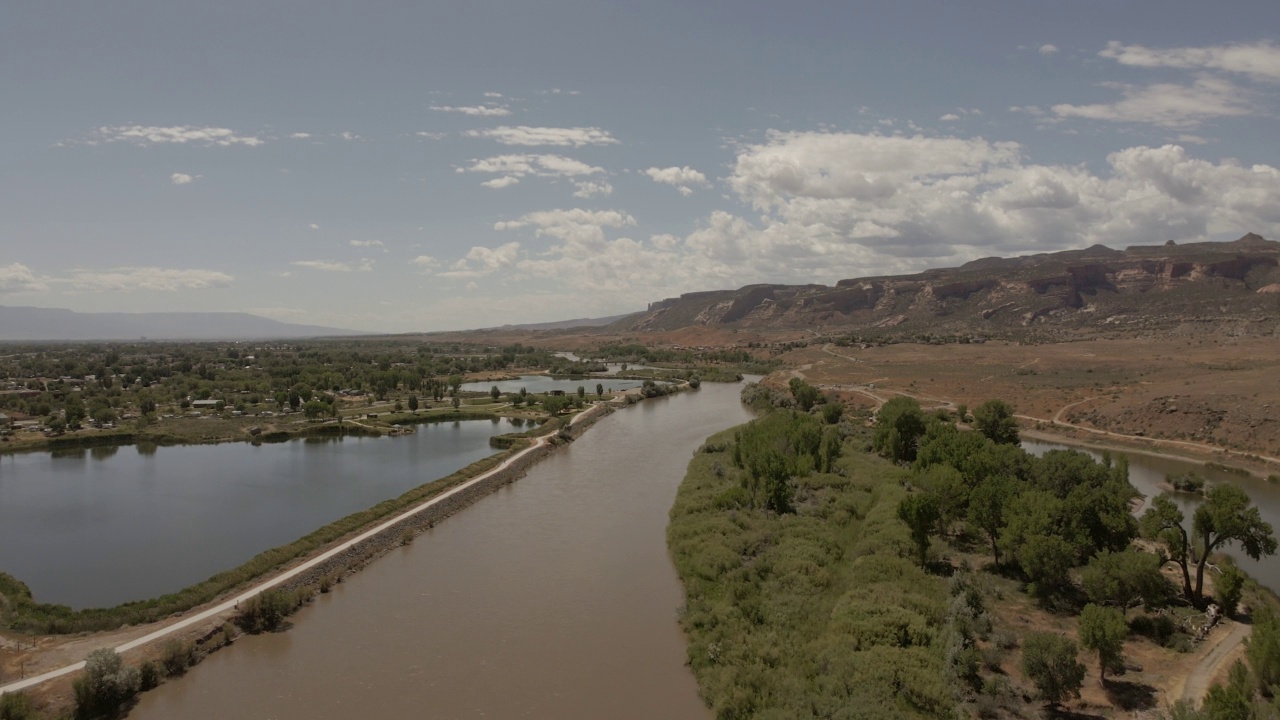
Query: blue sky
[{"x": 429, "y": 166}]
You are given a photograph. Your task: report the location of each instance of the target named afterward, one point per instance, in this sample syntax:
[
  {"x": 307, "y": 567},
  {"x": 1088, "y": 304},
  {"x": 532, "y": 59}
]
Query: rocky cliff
[{"x": 1158, "y": 286}]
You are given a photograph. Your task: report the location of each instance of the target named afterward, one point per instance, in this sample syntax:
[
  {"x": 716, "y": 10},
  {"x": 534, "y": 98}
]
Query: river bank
[{"x": 333, "y": 554}]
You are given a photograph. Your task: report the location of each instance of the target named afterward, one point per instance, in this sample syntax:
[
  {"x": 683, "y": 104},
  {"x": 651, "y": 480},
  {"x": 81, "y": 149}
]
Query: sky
[{"x": 404, "y": 167}]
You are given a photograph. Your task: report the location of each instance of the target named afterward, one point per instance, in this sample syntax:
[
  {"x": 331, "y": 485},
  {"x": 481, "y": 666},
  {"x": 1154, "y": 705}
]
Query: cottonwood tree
[
  {"x": 1121, "y": 579},
  {"x": 994, "y": 419},
  {"x": 920, "y": 513},
  {"x": 1163, "y": 522},
  {"x": 1103, "y": 630},
  {"x": 1050, "y": 661},
  {"x": 1227, "y": 517},
  {"x": 988, "y": 505},
  {"x": 899, "y": 425}
]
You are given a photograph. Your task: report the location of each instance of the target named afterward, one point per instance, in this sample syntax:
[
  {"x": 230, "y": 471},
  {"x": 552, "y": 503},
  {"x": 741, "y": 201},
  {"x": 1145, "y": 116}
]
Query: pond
[{"x": 101, "y": 526}]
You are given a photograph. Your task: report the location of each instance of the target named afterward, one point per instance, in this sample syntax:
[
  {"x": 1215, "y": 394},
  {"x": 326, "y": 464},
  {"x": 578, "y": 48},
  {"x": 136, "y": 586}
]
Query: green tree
[
  {"x": 1263, "y": 650},
  {"x": 994, "y": 419},
  {"x": 494, "y": 393},
  {"x": 1229, "y": 587},
  {"x": 831, "y": 412},
  {"x": 413, "y": 403},
  {"x": 582, "y": 392},
  {"x": 1227, "y": 517},
  {"x": 106, "y": 685},
  {"x": 806, "y": 395},
  {"x": 1103, "y": 630},
  {"x": 456, "y": 402},
  {"x": 146, "y": 404},
  {"x": 1047, "y": 560},
  {"x": 1121, "y": 579},
  {"x": 1233, "y": 701},
  {"x": 920, "y": 512},
  {"x": 1050, "y": 662},
  {"x": 988, "y": 505},
  {"x": 314, "y": 409},
  {"x": 899, "y": 425},
  {"x": 1163, "y": 522},
  {"x": 455, "y": 382},
  {"x": 600, "y": 389}
]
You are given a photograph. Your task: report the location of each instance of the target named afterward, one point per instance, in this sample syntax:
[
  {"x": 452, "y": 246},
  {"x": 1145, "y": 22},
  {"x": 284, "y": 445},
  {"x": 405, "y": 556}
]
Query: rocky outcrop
[{"x": 1147, "y": 285}]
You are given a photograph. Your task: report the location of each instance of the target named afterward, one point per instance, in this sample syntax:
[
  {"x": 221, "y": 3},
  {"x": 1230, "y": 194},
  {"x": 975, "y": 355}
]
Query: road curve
[{"x": 286, "y": 575}]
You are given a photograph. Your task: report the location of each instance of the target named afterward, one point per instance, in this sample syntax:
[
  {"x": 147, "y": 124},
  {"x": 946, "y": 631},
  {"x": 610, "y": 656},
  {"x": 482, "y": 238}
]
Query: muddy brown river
[{"x": 552, "y": 598}]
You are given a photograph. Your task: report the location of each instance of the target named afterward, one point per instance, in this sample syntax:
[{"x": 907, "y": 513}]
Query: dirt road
[{"x": 1197, "y": 683}]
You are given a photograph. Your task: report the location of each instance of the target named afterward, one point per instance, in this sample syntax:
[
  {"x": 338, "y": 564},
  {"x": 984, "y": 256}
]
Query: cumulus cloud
[
  {"x": 475, "y": 110},
  {"x": 429, "y": 135},
  {"x": 175, "y": 135},
  {"x": 368, "y": 244},
  {"x": 182, "y": 178},
  {"x": 949, "y": 117},
  {"x": 511, "y": 168},
  {"x": 582, "y": 230},
  {"x": 1168, "y": 104},
  {"x": 542, "y": 136},
  {"x": 861, "y": 204},
  {"x": 18, "y": 278},
  {"x": 364, "y": 265},
  {"x": 501, "y": 182},
  {"x": 482, "y": 261},
  {"x": 130, "y": 278},
  {"x": 684, "y": 179},
  {"x": 425, "y": 261},
  {"x": 1260, "y": 60},
  {"x": 1048, "y": 49},
  {"x": 349, "y": 136},
  {"x": 314, "y": 226},
  {"x": 300, "y": 136},
  {"x": 588, "y": 189}
]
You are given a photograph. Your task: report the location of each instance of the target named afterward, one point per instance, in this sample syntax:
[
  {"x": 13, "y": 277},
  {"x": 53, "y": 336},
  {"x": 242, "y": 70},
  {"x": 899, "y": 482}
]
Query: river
[
  {"x": 102, "y": 526},
  {"x": 552, "y": 598}
]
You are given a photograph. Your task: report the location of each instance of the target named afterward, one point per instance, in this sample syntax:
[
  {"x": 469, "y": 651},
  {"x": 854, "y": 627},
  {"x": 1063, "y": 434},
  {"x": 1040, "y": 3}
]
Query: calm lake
[
  {"x": 1147, "y": 474},
  {"x": 552, "y": 598},
  {"x": 102, "y": 526}
]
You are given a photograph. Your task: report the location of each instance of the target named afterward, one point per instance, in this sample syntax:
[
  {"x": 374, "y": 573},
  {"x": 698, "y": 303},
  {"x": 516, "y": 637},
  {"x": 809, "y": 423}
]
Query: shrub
[
  {"x": 106, "y": 685},
  {"x": 149, "y": 675},
  {"x": 1050, "y": 662},
  {"x": 266, "y": 611},
  {"x": 16, "y": 706},
  {"x": 176, "y": 657}
]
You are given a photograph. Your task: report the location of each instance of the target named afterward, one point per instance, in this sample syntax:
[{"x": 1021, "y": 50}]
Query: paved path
[{"x": 286, "y": 575}]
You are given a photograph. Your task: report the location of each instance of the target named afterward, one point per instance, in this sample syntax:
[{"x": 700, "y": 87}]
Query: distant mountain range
[
  {"x": 566, "y": 324},
  {"x": 1224, "y": 285},
  {"x": 56, "y": 324}
]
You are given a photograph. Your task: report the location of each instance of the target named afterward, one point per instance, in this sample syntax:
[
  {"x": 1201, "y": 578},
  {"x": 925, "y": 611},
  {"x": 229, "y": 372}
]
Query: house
[
  {"x": 4, "y": 420},
  {"x": 204, "y": 404}
]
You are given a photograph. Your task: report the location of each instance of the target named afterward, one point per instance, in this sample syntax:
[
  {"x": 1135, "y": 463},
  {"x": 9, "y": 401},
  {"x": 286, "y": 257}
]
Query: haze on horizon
[{"x": 392, "y": 167}]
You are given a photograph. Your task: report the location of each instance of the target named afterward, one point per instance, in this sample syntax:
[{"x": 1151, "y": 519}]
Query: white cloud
[
  {"x": 18, "y": 278},
  {"x": 368, "y": 243},
  {"x": 541, "y": 136},
  {"x": 494, "y": 95},
  {"x": 182, "y": 178},
  {"x": 314, "y": 226},
  {"x": 145, "y": 278},
  {"x": 365, "y": 265},
  {"x": 429, "y": 135},
  {"x": 684, "y": 179},
  {"x": 475, "y": 110},
  {"x": 425, "y": 261},
  {"x": 178, "y": 134},
  {"x": 1048, "y": 49},
  {"x": 582, "y": 229},
  {"x": 501, "y": 182},
  {"x": 300, "y": 136},
  {"x": 1168, "y": 104},
  {"x": 588, "y": 189},
  {"x": 1260, "y": 60},
  {"x": 349, "y": 136},
  {"x": 949, "y": 117},
  {"x": 843, "y": 205},
  {"x": 482, "y": 261},
  {"x": 514, "y": 167}
]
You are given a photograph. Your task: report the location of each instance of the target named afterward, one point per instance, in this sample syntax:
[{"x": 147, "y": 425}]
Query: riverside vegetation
[{"x": 914, "y": 568}]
